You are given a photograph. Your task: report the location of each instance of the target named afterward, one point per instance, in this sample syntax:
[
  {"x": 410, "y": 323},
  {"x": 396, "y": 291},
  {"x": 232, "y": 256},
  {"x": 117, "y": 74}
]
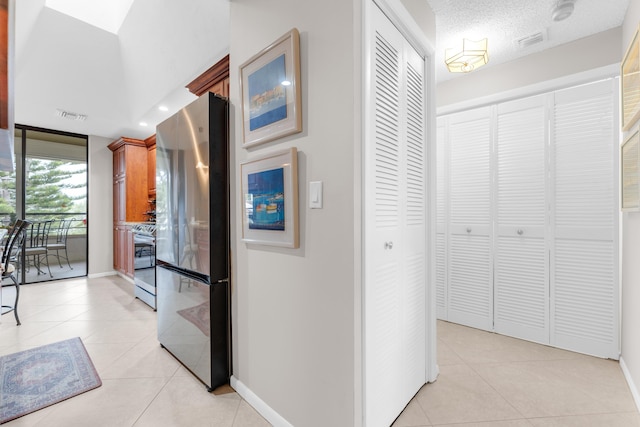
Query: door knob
[
  {"x": 468, "y": 229},
  {"x": 520, "y": 231},
  {"x": 388, "y": 245}
]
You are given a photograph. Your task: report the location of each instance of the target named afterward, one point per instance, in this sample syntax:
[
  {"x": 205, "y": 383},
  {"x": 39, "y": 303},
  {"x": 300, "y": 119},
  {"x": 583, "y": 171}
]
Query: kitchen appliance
[
  {"x": 192, "y": 238},
  {"x": 144, "y": 262}
]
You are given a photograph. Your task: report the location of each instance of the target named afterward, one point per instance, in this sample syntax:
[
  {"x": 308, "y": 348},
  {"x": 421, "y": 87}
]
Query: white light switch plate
[{"x": 315, "y": 194}]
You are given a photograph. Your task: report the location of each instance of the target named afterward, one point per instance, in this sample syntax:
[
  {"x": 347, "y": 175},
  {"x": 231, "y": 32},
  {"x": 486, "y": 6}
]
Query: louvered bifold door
[
  {"x": 441, "y": 230},
  {"x": 395, "y": 225},
  {"x": 521, "y": 275},
  {"x": 414, "y": 219},
  {"x": 584, "y": 262},
  {"x": 470, "y": 291}
]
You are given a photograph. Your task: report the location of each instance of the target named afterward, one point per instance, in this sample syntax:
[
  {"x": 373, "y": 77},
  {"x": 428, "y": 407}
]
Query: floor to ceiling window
[{"x": 49, "y": 187}]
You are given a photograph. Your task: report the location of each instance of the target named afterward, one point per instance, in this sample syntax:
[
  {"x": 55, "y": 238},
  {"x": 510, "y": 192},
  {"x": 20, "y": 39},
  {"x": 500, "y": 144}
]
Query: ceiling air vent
[
  {"x": 531, "y": 39},
  {"x": 71, "y": 116}
]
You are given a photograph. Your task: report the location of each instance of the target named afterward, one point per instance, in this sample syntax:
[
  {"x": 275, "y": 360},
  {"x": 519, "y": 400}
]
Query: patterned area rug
[
  {"x": 39, "y": 377},
  {"x": 199, "y": 315}
]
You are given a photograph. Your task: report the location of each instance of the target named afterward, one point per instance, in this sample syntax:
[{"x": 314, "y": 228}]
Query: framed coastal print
[
  {"x": 269, "y": 198},
  {"x": 630, "y": 173},
  {"x": 630, "y": 84},
  {"x": 270, "y": 86}
]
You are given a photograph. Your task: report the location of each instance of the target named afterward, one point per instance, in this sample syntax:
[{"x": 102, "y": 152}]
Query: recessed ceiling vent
[
  {"x": 71, "y": 116},
  {"x": 531, "y": 39}
]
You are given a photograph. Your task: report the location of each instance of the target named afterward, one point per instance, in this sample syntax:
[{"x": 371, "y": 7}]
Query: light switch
[{"x": 315, "y": 194}]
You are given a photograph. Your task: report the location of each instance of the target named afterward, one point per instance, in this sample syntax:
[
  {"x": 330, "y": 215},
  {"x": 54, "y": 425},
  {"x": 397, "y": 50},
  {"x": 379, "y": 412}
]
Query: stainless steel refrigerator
[{"x": 192, "y": 238}]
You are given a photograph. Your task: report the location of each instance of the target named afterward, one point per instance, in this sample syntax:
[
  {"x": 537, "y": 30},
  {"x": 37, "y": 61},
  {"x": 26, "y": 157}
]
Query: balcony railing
[{"x": 78, "y": 227}]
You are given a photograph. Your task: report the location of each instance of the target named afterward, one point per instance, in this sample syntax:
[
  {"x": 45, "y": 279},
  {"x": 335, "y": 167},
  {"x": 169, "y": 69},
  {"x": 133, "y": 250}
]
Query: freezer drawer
[{"x": 193, "y": 324}]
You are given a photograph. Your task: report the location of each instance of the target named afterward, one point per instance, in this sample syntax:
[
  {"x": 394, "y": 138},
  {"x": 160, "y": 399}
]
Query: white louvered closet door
[
  {"x": 470, "y": 290},
  {"x": 584, "y": 262},
  {"x": 521, "y": 275},
  {"x": 441, "y": 224},
  {"x": 395, "y": 225}
]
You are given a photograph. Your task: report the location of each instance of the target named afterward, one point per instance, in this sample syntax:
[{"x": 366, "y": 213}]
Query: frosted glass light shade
[{"x": 472, "y": 55}]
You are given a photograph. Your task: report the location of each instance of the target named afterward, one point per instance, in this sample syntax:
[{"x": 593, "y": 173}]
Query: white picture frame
[
  {"x": 270, "y": 90},
  {"x": 269, "y": 199}
]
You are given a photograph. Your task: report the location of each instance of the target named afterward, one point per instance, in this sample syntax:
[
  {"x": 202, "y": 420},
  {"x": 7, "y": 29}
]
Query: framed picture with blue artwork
[
  {"x": 270, "y": 85},
  {"x": 270, "y": 199}
]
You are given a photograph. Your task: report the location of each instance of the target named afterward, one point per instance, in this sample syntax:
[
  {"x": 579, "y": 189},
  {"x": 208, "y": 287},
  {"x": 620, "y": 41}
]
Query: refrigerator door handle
[{"x": 187, "y": 273}]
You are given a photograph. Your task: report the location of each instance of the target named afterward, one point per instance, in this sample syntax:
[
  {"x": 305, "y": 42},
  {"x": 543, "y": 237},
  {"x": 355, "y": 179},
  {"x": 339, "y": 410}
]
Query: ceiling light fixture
[
  {"x": 163, "y": 108},
  {"x": 472, "y": 55},
  {"x": 562, "y": 10}
]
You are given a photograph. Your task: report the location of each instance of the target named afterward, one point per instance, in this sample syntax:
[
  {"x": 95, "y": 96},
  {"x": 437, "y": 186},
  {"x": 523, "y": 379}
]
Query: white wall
[
  {"x": 424, "y": 17},
  {"x": 293, "y": 309},
  {"x": 100, "y": 218},
  {"x": 630, "y": 359},
  {"x": 152, "y": 64},
  {"x": 296, "y": 313},
  {"x": 588, "y": 53}
]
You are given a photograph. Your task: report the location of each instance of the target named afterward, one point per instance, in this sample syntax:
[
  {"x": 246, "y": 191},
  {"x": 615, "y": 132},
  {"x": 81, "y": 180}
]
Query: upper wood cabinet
[
  {"x": 118, "y": 163},
  {"x": 151, "y": 165},
  {"x": 215, "y": 79},
  {"x": 129, "y": 180}
]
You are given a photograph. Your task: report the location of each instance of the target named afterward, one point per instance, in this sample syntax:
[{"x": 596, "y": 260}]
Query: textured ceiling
[{"x": 503, "y": 22}]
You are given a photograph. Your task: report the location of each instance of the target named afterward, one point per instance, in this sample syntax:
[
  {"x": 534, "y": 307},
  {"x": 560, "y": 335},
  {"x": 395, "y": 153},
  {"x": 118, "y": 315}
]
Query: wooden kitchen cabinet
[
  {"x": 215, "y": 79},
  {"x": 129, "y": 262},
  {"x": 123, "y": 250},
  {"x": 120, "y": 249},
  {"x": 151, "y": 165},
  {"x": 118, "y": 163},
  {"x": 221, "y": 88},
  {"x": 130, "y": 174},
  {"x": 119, "y": 194},
  {"x": 130, "y": 197}
]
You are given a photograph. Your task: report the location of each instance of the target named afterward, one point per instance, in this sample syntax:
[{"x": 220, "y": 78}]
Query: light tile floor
[
  {"x": 485, "y": 379},
  {"x": 488, "y": 380},
  {"x": 142, "y": 384}
]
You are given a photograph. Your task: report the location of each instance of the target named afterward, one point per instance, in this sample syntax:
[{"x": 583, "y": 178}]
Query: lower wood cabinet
[{"x": 123, "y": 250}]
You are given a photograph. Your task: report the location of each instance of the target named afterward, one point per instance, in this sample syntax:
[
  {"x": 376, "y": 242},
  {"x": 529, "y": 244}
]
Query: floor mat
[{"x": 39, "y": 377}]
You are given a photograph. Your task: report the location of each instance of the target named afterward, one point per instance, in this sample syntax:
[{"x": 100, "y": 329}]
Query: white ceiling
[
  {"x": 119, "y": 80},
  {"x": 106, "y": 15},
  {"x": 505, "y": 21}
]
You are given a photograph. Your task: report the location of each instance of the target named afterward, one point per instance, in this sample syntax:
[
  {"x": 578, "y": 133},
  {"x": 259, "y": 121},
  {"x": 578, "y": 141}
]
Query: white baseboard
[
  {"x": 632, "y": 385},
  {"x": 125, "y": 277},
  {"x": 258, "y": 404},
  {"x": 103, "y": 274}
]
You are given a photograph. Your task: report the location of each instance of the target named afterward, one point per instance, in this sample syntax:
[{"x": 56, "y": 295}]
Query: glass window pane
[{"x": 55, "y": 196}]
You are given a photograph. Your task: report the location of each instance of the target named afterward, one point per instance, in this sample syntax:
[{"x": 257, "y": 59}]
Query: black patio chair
[
  {"x": 61, "y": 242},
  {"x": 10, "y": 261}
]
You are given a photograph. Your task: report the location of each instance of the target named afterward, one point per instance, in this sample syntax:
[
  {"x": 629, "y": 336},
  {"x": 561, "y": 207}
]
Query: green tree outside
[
  {"x": 45, "y": 182},
  {"x": 7, "y": 193},
  {"x": 45, "y": 185}
]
